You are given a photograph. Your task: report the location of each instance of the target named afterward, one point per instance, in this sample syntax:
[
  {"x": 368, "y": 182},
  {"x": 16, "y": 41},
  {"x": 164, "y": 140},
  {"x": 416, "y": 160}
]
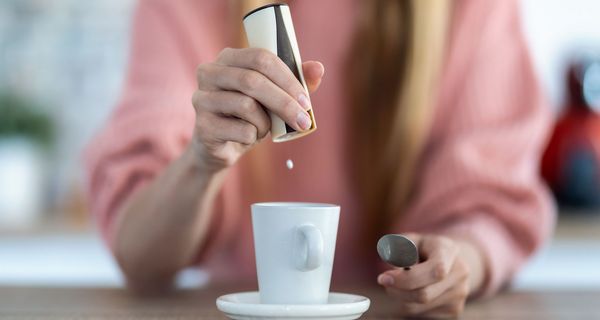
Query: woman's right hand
[{"x": 232, "y": 92}]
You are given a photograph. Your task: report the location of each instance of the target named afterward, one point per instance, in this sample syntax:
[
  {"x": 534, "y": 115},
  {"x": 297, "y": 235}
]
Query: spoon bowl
[{"x": 398, "y": 250}]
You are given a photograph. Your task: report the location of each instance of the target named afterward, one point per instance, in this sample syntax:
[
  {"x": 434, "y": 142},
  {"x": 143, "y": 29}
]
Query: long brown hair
[
  {"x": 396, "y": 62},
  {"x": 394, "y": 68}
]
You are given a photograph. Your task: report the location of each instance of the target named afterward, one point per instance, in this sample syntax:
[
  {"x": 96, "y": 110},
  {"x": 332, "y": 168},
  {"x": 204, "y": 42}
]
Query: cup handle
[{"x": 308, "y": 248}]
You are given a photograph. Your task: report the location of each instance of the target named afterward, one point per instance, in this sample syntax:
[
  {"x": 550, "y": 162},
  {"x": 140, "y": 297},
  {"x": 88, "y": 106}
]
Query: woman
[{"x": 431, "y": 122}]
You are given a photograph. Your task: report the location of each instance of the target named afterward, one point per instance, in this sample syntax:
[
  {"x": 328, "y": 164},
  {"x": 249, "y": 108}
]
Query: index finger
[
  {"x": 439, "y": 254},
  {"x": 271, "y": 66}
]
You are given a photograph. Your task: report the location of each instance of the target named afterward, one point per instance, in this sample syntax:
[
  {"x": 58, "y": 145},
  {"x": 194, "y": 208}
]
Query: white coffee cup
[{"x": 294, "y": 244}]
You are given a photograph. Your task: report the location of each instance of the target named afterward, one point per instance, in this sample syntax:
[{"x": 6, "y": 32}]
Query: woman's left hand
[{"x": 438, "y": 286}]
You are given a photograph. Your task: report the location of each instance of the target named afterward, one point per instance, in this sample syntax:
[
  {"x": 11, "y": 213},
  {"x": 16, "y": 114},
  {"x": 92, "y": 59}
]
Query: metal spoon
[{"x": 398, "y": 251}]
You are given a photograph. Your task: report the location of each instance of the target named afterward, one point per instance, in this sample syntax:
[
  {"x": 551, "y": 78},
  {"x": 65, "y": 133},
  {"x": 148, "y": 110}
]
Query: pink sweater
[{"x": 478, "y": 175}]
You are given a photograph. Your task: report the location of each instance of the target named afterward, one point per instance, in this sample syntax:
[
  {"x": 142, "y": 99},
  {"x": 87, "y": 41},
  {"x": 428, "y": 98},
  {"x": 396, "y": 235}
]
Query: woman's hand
[
  {"x": 449, "y": 271},
  {"x": 232, "y": 92}
]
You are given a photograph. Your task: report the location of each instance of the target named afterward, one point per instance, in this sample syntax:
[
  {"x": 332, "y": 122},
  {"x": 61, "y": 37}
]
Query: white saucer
[{"x": 245, "y": 305}]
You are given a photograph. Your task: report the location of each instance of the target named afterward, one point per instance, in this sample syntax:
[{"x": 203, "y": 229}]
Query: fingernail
[
  {"x": 385, "y": 280},
  {"x": 322, "y": 70},
  {"x": 303, "y": 121},
  {"x": 304, "y": 102}
]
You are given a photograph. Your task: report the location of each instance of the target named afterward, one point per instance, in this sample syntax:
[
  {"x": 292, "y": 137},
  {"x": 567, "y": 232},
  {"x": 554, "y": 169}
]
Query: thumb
[{"x": 313, "y": 73}]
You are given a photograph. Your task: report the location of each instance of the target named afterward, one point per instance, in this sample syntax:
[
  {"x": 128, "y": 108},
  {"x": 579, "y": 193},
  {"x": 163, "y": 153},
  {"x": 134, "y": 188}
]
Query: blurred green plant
[{"x": 20, "y": 117}]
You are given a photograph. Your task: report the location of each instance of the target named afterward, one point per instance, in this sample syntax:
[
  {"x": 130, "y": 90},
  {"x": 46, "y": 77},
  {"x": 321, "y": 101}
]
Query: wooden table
[{"x": 97, "y": 303}]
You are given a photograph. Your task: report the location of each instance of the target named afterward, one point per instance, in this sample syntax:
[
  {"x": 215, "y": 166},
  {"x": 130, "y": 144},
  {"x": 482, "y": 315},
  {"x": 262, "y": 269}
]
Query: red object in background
[{"x": 571, "y": 163}]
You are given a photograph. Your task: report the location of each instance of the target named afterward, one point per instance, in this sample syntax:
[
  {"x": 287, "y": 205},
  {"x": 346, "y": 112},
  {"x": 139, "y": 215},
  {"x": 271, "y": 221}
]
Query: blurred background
[{"x": 62, "y": 64}]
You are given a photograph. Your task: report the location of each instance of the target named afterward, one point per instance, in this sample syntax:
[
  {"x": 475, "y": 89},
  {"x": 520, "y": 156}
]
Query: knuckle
[
  {"x": 205, "y": 75},
  {"x": 248, "y": 134},
  {"x": 247, "y": 104},
  {"x": 462, "y": 268},
  {"x": 200, "y": 72},
  {"x": 197, "y": 99},
  {"x": 440, "y": 271},
  {"x": 263, "y": 130},
  {"x": 249, "y": 81},
  {"x": 262, "y": 60}
]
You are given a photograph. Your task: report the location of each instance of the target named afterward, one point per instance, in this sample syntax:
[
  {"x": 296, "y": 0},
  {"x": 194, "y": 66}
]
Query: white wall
[
  {"x": 556, "y": 30},
  {"x": 69, "y": 56}
]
